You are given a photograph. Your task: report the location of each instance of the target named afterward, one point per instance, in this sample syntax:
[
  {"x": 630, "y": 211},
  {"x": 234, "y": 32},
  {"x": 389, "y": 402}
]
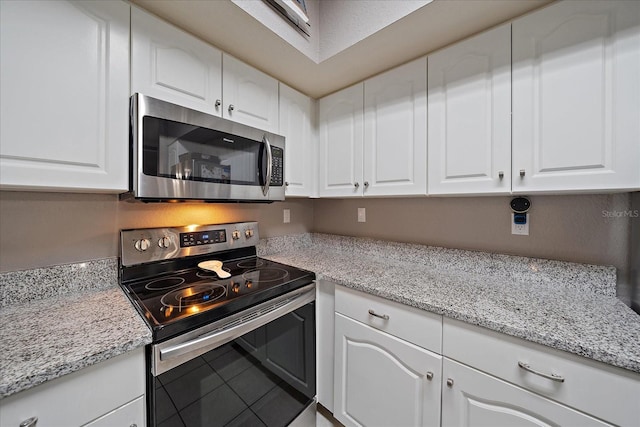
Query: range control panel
[
  {"x": 202, "y": 238},
  {"x": 155, "y": 244}
]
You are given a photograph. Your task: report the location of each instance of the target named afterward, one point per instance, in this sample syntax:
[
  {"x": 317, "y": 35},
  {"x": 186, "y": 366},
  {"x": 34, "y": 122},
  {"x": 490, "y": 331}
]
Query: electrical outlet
[
  {"x": 286, "y": 216},
  {"x": 362, "y": 215},
  {"x": 521, "y": 229}
]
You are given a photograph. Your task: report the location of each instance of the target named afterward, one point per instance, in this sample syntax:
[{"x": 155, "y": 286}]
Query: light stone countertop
[
  {"x": 44, "y": 338},
  {"x": 566, "y": 306}
]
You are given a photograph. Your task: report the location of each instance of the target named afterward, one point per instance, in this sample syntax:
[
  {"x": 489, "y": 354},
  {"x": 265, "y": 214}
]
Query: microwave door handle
[{"x": 267, "y": 181}]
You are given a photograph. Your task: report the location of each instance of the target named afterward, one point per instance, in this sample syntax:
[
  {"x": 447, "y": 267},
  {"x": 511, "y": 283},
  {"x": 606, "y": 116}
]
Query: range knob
[
  {"x": 142, "y": 245},
  {"x": 248, "y": 233},
  {"x": 235, "y": 235},
  {"x": 164, "y": 242}
]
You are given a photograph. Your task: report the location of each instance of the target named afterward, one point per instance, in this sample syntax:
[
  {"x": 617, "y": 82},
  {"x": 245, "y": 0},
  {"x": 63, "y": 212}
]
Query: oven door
[{"x": 256, "y": 367}]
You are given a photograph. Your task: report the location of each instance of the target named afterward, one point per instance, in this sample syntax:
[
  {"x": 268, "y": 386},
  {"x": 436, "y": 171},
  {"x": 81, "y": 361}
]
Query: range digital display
[{"x": 199, "y": 238}]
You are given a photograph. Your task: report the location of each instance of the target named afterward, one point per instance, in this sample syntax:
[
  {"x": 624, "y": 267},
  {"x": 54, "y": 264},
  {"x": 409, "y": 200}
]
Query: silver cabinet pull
[
  {"x": 31, "y": 422},
  {"x": 356, "y": 184},
  {"x": 231, "y": 107},
  {"x": 218, "y": 103},
  {"x": 429, "y": 376},
  {"x": 286, "y": 184},
  {"x": 366, "y": 184},
  {"x": 381, "y": 316},
  {"x": 552, "y": 377},
  {"x": 500, "y": 174},
  {"x": 521, "y": 173},
  {"x": 449, "y": 382}
]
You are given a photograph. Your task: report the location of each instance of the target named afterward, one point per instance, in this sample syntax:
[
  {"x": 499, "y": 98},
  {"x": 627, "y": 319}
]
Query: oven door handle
[{"x": 246, "y": 322}]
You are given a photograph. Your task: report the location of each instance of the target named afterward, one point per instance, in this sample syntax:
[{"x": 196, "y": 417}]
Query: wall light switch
[
  {"x": 362, "y": 215},
  {"x": 520, "y": 224},
  {"x": 286, "y": 216}
]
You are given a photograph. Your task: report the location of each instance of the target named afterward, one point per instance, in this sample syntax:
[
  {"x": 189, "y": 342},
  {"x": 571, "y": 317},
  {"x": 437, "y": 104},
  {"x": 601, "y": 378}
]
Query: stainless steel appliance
[
  {"x": 179, "y": 154},
  {"x": 232, "y": 346}
]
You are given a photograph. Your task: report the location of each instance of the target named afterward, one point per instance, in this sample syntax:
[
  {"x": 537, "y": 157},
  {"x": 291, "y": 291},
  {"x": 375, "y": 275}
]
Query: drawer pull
[
  {"x": 382, "y": 316},
  {"x": 429, "y": 375},
  {"x": 552, "y": 377}
]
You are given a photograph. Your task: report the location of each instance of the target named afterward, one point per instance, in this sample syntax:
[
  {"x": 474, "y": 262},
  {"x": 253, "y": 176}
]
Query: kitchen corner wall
[
  {"x": 45, "y": 229},
  {"x": 594, "y": 229}
]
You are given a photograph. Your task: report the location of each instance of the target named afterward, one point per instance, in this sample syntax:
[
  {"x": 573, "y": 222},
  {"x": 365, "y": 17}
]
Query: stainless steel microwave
[{"x": 179, "y": 154}]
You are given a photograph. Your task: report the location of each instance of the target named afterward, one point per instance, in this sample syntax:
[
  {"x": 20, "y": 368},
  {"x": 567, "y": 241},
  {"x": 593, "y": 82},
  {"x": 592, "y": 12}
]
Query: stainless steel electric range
[{"x": 233, "y": 334}]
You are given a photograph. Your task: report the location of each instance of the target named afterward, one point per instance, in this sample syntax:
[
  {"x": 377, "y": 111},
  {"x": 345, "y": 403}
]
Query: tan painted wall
[{"x": 44, "y": 229}]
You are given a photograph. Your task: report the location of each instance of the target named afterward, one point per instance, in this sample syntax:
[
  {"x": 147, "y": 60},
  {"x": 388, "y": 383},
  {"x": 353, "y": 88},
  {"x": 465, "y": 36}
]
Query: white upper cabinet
[
  {"x": 174, "y": 66},
  {"x": 65, "y": 95},
  {"x": 395, "y": 132},
  {"x": 296, "y": 125},
  {"x": 250, "y": 96},
  {"x": 470, "y": 116},
  {"x": 576, "y": 98},
  {"x": 341, "y": 143}
]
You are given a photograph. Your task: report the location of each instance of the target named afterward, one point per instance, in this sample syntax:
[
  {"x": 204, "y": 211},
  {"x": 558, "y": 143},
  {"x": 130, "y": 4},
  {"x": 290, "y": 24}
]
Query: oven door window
[
  {"x": 182, "y": 151},
  {"x": 266, "y": 377}
]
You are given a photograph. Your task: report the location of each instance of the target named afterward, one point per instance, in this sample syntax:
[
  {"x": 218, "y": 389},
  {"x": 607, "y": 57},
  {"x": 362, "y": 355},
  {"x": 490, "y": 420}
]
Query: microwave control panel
[{"x": 277, "y": 166}]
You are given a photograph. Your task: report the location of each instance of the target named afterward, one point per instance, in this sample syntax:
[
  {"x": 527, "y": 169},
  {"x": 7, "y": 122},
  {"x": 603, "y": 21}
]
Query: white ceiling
[{"x": 344, "y": 54}]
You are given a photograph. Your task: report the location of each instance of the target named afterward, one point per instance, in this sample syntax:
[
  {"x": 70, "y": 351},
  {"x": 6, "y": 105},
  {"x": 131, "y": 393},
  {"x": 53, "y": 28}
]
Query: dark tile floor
[{"x": 225, "y": 387}]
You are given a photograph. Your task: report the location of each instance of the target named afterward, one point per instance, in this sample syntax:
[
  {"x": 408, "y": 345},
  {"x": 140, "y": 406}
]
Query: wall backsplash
[{"x": 43, "y": 229}]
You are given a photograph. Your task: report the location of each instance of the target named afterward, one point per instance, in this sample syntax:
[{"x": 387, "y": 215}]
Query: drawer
[
  {"x": 81, "y": 396},
  {"x": 131, "y": 414},
  {"x": 417, "y": 326},
  {"x": 595, "y": 388}
]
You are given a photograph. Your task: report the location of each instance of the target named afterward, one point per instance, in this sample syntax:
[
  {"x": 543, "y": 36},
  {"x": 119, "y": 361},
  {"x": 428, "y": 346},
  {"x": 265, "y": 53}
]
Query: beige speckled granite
[
  {"x": 567, "y": 306},
  {"x": 53, "y": 331}
]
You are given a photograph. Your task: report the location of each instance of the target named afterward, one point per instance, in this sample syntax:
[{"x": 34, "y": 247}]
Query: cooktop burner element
[
  {"x": 175, "y": 296},
  {"x": 250, "y": 263},
  {"x": 265, "y": 274},
  {"x": 193, "y": 296},
  {"x": 164, "y": 283}
]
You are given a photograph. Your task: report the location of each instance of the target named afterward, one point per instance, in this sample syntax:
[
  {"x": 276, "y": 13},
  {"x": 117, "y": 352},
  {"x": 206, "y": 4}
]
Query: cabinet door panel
[
  {"x": 65, "y": 87},
  {"x": 296, "y": 115},
  {"x": 470, "y": 116},
  {"x": 172, "y": 65},
  {"x": 341, "y": 140},
  {"x": 381, "y": 380},
  {"x": 576, "y": 97},
  {"x": 395, "y": 131},
  {"x": 477, "y": 399},
  {"x": 250, "y": 96}
]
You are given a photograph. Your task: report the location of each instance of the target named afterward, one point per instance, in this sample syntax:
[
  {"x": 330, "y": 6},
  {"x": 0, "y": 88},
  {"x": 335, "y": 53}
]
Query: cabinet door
[
  {"x": 341, "y": 139},
  {"x": 249, "y": 95},
  {"x": 296, "y": 115},
  {"x": 477, "y": 399},
  {"x": 395, "y": 131},
  {"x": 576, "y": 97},
  {"x": 470, "y": 116},
  {"x": 65, "y": 95},
  {"x": 381, "y": 380},
  {"x": 169, "y": 64}
]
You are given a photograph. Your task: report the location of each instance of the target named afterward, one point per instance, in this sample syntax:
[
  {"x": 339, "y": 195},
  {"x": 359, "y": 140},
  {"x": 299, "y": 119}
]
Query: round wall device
[{"x": 520, "y": 204}]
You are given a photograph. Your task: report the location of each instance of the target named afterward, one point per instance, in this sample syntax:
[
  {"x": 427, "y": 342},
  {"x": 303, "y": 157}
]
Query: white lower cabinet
[
  {"x": 110, "y": 393},
  {"x": 381, "y": 380},
  {"x": 383, "y": 374},
  {"x": 473, "y": 398}
]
